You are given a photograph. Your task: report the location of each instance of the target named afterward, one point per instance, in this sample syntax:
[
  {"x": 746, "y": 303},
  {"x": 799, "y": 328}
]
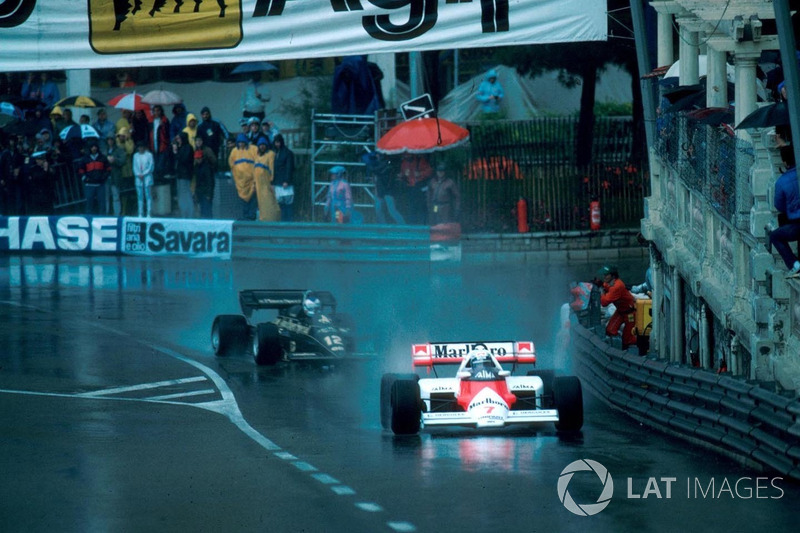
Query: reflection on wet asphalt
[{"x": 113, "y": 357}]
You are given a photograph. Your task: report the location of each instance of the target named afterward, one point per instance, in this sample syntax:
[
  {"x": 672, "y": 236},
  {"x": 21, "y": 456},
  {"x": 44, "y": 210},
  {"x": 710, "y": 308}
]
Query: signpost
[{"x": 422, "y": 106}]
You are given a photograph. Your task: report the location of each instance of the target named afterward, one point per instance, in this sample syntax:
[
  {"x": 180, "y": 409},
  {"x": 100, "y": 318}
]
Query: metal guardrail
[
  {"x": 729, "y": 414},
  {"x": 331, "y": 242}
]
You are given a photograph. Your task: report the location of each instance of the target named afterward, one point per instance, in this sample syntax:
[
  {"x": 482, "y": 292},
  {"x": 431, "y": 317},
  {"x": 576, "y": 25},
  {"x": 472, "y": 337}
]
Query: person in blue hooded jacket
[
  {"x": 787, "y": 202},
  {"x": 490, "y": 93}
]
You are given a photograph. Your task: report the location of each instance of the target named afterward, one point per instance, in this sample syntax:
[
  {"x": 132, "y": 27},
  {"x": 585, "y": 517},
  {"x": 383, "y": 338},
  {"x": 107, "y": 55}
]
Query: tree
[{"x": 579, "y": 64}]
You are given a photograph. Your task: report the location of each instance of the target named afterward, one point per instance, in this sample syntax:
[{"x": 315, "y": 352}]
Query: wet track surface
[{"x": 116, "y": 416}]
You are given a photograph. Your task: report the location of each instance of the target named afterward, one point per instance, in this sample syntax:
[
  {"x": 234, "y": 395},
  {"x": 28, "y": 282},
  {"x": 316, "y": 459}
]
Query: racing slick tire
[
  {"x": 228, "y": 334},
  {"x": 387, "y": 381},
  {"x": 267, "y": 348},
  {"x": 547, "y": 377},
  {"x": 568, "y": 397},
  {"x": 405, "y": 407}
]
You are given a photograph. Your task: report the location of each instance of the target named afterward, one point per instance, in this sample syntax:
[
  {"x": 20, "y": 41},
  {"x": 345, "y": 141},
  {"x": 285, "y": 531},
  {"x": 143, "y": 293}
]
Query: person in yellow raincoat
[
  {"x": 191, "y": 129},
  {"x": 242, "y": 163},
  {"x": 268, "y": 209}
]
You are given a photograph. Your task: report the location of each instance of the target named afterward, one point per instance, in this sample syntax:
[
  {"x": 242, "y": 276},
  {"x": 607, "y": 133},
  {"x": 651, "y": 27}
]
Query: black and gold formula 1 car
[{"x": 306, "y": 328}]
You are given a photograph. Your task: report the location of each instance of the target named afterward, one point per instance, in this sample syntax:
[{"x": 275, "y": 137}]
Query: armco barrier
[
  {"x": 731, "y": 415},
  {"x": 331, "y": 242}
]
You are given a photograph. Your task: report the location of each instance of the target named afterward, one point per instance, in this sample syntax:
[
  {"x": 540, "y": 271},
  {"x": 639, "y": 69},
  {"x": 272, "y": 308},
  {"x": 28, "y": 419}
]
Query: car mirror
[
  {"x": 463, "y": 374},
  {"x": 504, "y": 373}
]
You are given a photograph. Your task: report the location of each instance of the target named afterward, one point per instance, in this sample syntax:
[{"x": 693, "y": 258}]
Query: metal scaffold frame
[{"x": 342, "y": 140}]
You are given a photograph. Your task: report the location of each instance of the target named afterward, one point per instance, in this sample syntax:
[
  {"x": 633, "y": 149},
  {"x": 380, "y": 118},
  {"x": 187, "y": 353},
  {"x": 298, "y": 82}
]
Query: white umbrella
[{"x": 162, "y": 97}]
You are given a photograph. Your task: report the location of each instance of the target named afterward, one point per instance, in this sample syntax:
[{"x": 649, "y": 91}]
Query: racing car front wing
[{"x": 532, "y": 416}]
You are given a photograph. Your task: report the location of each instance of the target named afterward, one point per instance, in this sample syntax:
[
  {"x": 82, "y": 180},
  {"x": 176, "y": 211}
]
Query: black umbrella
[
  {"x": 682, "y": 91},
  {"x": 25, "y": 103},
  {"x": 689, "y": 96},
  {"x": 776, "y": 114},
  {"x": 24, "y": 127}
]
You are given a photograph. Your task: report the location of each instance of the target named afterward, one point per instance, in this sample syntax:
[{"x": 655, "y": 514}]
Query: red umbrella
[
  {"x": 422, "y": 135},
  {"x": 131, "y": 101}
]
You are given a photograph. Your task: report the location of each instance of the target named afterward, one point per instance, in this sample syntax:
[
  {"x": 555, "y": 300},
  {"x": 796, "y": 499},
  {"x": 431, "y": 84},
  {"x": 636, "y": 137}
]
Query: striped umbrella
[
  {"x": 79, "y": 101},
  {"x": 9, "y": 114},
  {"x": 133, "y": 102},
  {"x": 79, "y": 131}
]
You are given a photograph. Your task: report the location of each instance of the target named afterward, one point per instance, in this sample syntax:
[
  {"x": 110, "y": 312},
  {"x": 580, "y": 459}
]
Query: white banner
[
  {"x": 175, "y": 236},
  {"x": 89, "y": 34}
]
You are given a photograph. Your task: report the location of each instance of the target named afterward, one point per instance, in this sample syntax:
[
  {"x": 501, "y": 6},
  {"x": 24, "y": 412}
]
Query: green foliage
[
  {"x": 315, "y": 96},
  {"x": 613, "y": 109}
]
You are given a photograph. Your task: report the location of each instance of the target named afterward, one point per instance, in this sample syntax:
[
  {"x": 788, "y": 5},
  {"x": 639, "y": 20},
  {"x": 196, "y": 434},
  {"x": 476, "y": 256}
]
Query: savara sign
[
  {"x": 72, "y": 34},
  {"x": 131, "y": 236},
  {"x": 198, "y": 238}
]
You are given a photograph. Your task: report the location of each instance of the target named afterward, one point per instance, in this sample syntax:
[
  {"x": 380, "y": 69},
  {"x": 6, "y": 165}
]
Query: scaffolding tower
[{"x": 344, "y": 140}]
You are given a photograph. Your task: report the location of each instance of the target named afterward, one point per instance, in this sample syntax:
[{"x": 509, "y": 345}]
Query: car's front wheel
[
  {"x": 406, "y": 412},
  {"x": 228, "y": 334},
  {"x": 568, "y": 397},
  {"x": 267, "y": 348},
  {"x": 387, "y": 382}
]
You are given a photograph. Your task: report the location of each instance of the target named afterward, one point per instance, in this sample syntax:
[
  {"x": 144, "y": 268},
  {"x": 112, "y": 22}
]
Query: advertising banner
[
  {"x": 113, "y": 235},
  {"x": 91, "y": 34},
  {"x": 80, "y": 233},
  {"x": 176, "y": 236}
]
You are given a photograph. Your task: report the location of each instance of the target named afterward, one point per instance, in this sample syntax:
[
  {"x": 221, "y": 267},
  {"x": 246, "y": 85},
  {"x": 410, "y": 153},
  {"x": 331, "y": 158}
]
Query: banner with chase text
[
  {"x": 114, "y": 235},
  {"x": 76, "y": 233},
  {"x": 90, "y": 34}
]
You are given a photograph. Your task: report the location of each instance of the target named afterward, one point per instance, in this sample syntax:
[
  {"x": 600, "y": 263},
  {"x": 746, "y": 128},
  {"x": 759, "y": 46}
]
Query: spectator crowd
[{"x": 46, "y": 150}]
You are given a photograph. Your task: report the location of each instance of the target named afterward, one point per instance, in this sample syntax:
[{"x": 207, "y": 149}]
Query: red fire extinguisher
[
  {"x": 522, "y": 215},
  {"x": 594, "y": 215}
]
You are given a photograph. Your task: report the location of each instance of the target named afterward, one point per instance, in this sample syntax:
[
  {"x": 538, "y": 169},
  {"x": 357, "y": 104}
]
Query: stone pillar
[
  {"x": 666, "y": 43},
  {"x": 717, "y": 80},
  {"x": 79, "y": 82},
  {"x": 745, "y": 84},
  {"x": 689, "y": 53}
]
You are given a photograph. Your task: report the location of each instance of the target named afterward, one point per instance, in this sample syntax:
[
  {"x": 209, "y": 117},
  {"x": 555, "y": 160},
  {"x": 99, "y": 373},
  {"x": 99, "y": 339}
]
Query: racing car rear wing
[
  {"x": 452, "y": 353},
  {"x": 251, "y": 300}
]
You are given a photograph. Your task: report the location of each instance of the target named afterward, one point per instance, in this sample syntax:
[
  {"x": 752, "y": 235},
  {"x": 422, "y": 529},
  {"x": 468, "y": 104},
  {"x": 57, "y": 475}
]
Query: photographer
[{"x": 615, "y": 292}]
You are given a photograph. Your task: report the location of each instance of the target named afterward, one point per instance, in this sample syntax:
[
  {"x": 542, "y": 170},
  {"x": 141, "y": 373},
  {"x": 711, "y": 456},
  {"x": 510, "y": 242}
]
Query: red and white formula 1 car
[{"x": 483, "y": 394}]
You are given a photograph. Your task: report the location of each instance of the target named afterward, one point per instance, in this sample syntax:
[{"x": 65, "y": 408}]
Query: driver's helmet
[
  {"x": 480, "y": 359},
  {"x": 311, "y": 304}
]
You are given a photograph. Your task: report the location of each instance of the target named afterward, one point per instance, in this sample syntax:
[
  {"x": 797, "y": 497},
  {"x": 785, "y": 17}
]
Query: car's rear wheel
[
  {"x": 405, "y": 407},
  {"x": 387, "y": 381},
  {"x": 228, "y": 334},
  {"x": 547, "y": 377},
  {"x": 267, "y": 348},
  {"x": 568, "y": 396}
]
